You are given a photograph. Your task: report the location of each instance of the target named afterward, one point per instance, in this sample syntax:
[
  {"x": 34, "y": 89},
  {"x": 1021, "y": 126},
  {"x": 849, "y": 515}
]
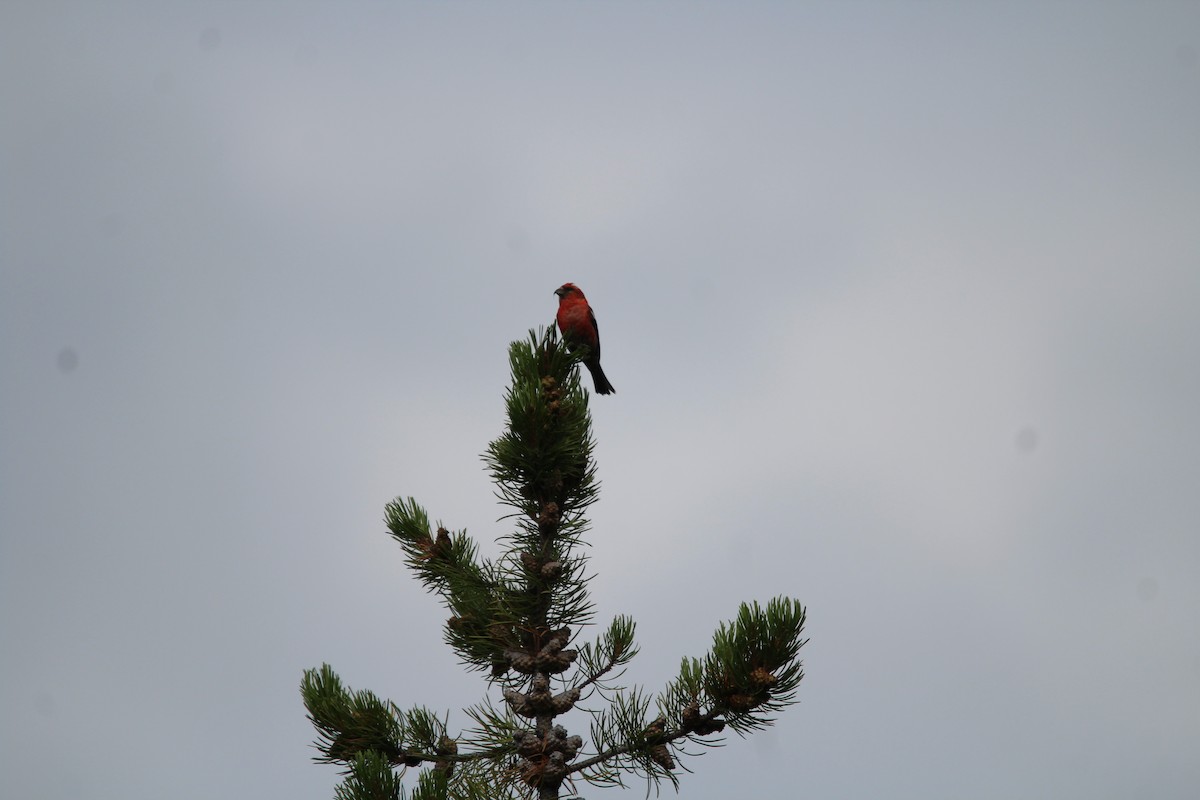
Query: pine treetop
[{"x": 518, "y": 618}]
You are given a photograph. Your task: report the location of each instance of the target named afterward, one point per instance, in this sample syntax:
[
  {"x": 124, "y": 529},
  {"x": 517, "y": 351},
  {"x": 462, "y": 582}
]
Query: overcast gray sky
[{"x": 900, "y": 301}]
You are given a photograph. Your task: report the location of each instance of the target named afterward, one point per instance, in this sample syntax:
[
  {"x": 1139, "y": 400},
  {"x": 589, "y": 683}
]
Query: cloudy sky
[{"x": 900, "y": 301}]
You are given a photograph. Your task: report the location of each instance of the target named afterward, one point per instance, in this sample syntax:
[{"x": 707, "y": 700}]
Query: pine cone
[
  {"x": 519, "y": 703},
  {"x": 661, "y": 755},
  {"x": 441, "y": 547},
  {"x": 741, "y": 703},
  {"x": 761, "y": 678},
  {"x": 564, "y": 702},
  {"x": 557, "y": 641},
  {"x": 528, "y": 743},
  {"x": 655, "y": 728},
  {"x": 549, "y": 518},
  {"x": 447, "y": 747},
  {"x": 560, "y": 662},
  {"x": 521, "y": 662}
]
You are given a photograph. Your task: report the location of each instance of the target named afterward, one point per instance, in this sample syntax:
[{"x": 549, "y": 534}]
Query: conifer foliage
[{"x": 519, "y": 619}]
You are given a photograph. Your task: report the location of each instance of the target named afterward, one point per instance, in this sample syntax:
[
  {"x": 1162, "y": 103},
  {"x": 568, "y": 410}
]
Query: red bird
[{"x": 578, "y": 326}]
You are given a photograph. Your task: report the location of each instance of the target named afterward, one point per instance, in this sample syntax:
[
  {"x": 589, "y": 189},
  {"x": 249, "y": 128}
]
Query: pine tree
[{"x": 516, "y": 618}]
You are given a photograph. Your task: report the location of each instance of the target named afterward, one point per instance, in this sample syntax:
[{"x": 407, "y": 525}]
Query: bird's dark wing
[{"x": 596, "y": 328}]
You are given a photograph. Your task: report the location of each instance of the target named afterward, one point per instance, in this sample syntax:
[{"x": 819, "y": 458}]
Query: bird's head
[{"x": 568, "y": 289}]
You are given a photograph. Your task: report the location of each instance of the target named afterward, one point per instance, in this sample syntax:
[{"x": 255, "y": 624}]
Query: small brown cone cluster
[
  {"x": 552, "y": 393},
  {"x": 548, "y": 570},
  {"x": 432, "y": 549},
  {"x": 549, "y": 518},
  {"x": 539, "y": 701},
  {"x": 691, "y": 721},
  {"x": 659, "y": 752},
  {"x": 703, "y": 725},
  {"x": 447, "y": 747},
  {"x": 763, "y": 679},
  {"x": 543, "y": 758},
  {"x": 550, "y": 658},
  {"x": 744, "y": 697}
]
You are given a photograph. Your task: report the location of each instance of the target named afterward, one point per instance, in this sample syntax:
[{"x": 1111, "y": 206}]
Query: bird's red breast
[{"x": 575, "y": 317}]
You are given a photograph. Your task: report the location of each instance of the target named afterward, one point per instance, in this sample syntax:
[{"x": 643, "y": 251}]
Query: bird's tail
[{"x": 598, "y": 378}]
